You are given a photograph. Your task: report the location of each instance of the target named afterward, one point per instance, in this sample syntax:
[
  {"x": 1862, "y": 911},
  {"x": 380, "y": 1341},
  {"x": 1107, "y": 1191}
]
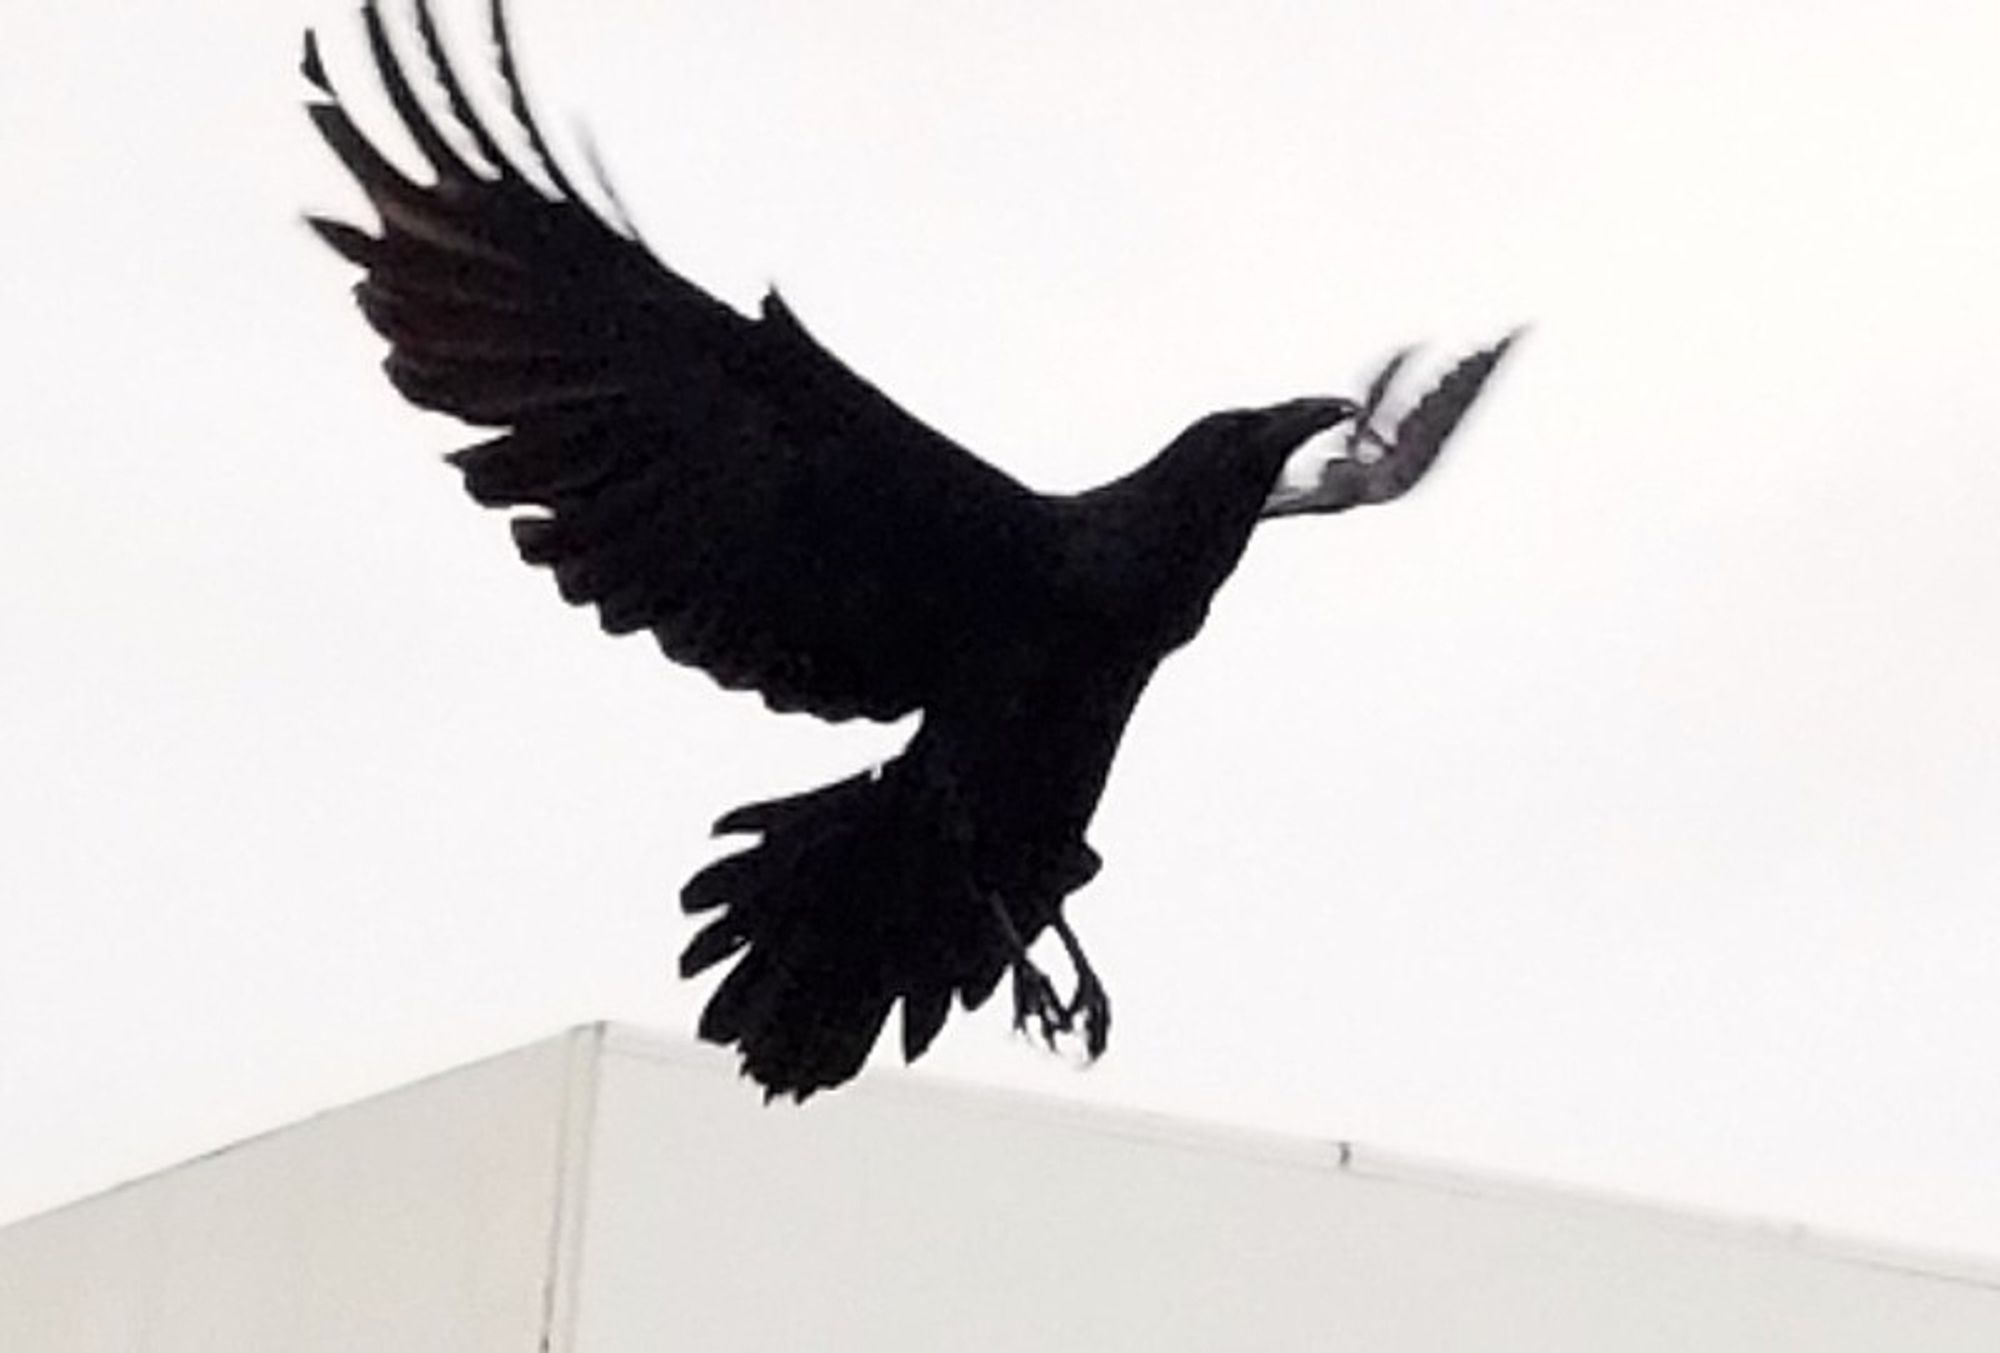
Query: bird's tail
[{"x": 858, "y": 895}]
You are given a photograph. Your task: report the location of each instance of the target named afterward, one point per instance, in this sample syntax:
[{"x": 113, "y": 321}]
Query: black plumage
[{"x": 727, "y": 485}]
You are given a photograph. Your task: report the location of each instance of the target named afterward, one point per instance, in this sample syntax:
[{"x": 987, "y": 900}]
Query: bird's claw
[
  {"x": 1086, "y": 1014},
  {"x": 1090, "y": 1009},
  {"x": 1035, "y": 998}
]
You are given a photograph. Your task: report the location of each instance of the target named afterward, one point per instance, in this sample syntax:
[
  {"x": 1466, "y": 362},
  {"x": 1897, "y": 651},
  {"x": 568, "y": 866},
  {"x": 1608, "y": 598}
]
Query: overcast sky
[{"x": 1618, "y": 809}]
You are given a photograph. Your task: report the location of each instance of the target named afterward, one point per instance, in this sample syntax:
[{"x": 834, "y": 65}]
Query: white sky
[{"x": 1619, "y": 809}]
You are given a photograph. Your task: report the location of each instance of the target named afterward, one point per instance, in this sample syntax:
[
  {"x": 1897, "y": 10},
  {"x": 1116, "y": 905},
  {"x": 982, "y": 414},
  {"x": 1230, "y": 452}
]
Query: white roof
[{"x": 608, "y": 1190}]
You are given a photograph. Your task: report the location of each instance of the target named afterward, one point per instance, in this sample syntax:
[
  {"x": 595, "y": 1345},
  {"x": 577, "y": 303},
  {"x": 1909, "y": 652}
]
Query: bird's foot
[
  {"x": 1090, "y": 1008},
  {"x": 1035, "y": 999}
]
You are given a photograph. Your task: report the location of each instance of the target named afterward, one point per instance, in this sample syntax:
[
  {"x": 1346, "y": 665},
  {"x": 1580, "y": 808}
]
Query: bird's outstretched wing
[{"x": 721, "y": 481}]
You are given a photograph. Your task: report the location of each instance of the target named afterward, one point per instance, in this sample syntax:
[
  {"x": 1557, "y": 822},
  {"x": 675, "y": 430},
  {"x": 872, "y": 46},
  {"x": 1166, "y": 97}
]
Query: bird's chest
[{"x": 1044, "y": 723}]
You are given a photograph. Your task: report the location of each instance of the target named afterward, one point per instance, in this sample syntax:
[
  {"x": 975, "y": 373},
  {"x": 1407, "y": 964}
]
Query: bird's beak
[
  {"x": 1289, "y": 427},
  {"x": 1291, "y": 424}
]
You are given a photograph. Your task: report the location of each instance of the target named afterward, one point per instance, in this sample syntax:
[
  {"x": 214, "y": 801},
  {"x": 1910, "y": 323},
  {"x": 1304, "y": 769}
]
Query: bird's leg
[
  {"x": 1091, "y": 1005},
  {"x": 1034, "y": 994}
]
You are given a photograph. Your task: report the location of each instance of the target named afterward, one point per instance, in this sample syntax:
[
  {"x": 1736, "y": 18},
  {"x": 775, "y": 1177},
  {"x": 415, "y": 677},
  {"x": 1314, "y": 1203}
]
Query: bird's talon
[
  {"x": 1035, "y": 998},
  {"x": 1090, "y": 1010}
]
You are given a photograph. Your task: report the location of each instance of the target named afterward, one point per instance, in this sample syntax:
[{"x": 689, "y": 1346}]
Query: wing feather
[{"x": 720, "y": 480}]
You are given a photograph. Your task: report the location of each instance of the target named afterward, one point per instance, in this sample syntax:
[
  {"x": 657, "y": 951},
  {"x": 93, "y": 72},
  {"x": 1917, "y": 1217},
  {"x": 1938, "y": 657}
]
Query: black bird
[{"x": 726, "y": 484}]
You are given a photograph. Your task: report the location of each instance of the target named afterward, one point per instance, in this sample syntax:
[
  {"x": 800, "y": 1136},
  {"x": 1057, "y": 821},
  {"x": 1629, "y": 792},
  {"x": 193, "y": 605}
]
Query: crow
[{"x": 726, "y": 484}]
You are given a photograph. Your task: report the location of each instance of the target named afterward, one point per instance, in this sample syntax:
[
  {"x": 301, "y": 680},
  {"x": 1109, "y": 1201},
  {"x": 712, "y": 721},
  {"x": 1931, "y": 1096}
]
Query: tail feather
[{"x": 857, "y": 896}]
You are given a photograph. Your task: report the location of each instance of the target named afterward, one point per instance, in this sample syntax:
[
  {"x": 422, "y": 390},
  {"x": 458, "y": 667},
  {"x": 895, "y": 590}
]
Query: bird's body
[{"x": 725, "y": 484}]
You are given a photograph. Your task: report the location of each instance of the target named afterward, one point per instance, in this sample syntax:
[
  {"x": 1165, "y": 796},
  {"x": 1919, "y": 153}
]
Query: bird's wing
[{"x": 721, "y": 481}]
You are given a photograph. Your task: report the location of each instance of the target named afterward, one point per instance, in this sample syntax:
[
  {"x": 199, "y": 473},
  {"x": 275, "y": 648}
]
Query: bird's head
[
  {"x": 1231, "y": 467},
  {"x": 1166, "y": 536},
  {"x": 1278, "y": 434},
  {"x": 1252, "y": 447}
]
